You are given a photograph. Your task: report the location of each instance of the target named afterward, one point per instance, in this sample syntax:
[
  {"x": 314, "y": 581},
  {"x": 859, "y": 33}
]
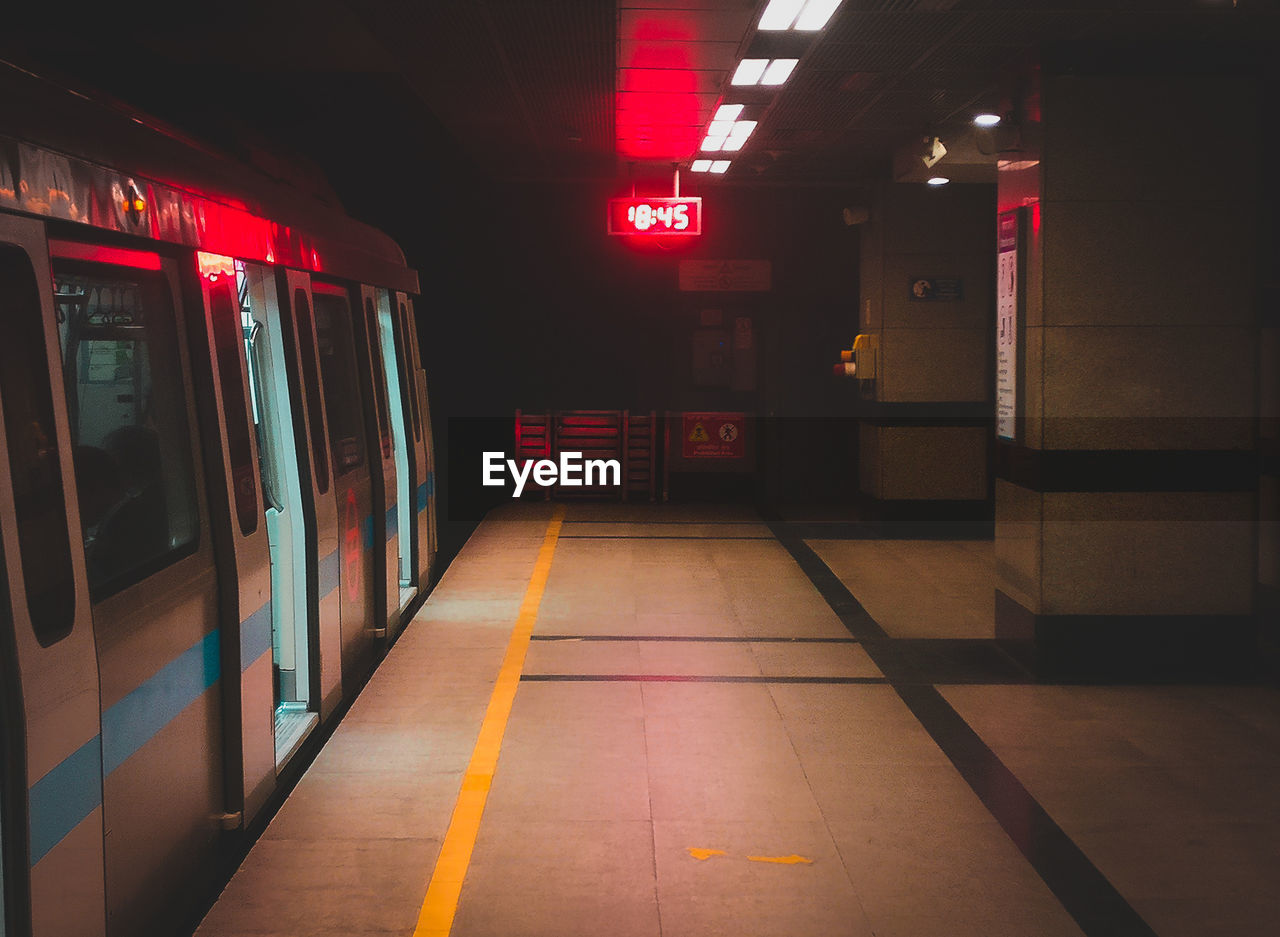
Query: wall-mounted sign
[
  {"x": 1007, "y": 326},
  {"x": 935, "y": 289},
  {"x": 747, "y": 276},
  {"x": 713, "y": 436},
  {"x": 657, "y": 215}
]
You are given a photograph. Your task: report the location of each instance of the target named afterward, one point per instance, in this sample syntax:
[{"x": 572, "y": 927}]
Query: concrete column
[
  {"x": 1127, "y": 503},
  {"x": 926, "y": 295}
]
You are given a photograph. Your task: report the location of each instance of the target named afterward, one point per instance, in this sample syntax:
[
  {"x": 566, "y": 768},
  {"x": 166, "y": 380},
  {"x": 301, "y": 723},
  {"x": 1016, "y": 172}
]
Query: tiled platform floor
[{"x": 624, "y": 804}]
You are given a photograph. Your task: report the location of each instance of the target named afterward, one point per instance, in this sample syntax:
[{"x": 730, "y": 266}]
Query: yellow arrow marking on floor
[
  {"x": 441, "y": 903},
  {"x": 703, "y": 854},
  {"x": 782, "y": 860}
]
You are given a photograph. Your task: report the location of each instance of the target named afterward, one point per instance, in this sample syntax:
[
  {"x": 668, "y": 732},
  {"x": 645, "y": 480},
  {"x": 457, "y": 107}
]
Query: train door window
[
  {"x": 399, "y": 439},
  {"x": 127, "y": 408},
  {"x": 335, "y": 342},
  {"x": 282, "y": 495},
  {"x": 379, "y": 385},
  {"x": 224, "y": 312},
  {"x": 406, "y": 372},
  {"x": 311, "y": 382},
  {"x": 35, "y": 468}
]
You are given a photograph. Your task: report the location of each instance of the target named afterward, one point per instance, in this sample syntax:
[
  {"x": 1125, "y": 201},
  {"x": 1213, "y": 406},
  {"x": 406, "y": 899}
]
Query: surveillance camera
[{"x": 932, "y": 152}]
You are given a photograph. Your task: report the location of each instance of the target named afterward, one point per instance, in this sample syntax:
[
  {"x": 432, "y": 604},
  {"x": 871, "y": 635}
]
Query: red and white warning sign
[{"x": 713, "y": 436}]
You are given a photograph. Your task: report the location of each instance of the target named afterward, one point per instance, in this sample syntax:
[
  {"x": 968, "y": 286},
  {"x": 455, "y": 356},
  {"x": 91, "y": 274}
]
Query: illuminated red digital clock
[{"x": 658, "y": 215}]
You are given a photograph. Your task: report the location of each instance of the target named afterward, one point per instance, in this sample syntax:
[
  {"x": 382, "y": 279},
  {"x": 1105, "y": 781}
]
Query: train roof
[{"x": 74, "y": 156}]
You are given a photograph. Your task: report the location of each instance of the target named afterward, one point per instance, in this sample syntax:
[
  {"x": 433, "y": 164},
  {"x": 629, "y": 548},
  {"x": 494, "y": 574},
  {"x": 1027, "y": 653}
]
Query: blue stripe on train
[
  {"x": 255, "y": 636},
  {"x": 73, "y": 788},
  {"x": 393, "y": 520},
  {"x": 65, "y": 796},
  {"x": 425, "y": 491},
  {"x": 132, "y": 722},
  {"x": 329, "y": 573}
]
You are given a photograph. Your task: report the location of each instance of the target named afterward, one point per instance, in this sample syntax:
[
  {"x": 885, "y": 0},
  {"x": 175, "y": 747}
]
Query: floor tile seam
[
  {"x": 648, "y": 789},
  {"x": 826, "y": 822},
  {"x": 1096, "y": 900}
]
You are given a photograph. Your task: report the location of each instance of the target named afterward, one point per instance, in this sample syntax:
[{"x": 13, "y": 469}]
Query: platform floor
[{"x": 723, "y": 728}]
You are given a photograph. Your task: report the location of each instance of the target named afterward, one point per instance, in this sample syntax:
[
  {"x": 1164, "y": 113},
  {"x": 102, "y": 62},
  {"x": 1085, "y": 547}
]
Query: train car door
[
  {"x": 353, "y": 483},
  {"x": 53, "y": 853},
  {"x": 230, "y": 416},
  {"x": 152, "y": 576},
  {"x": 414, "y": 381},
  {"x": 405, "y": 519},
  {"x": 385, "y": 526},
  {"x": 310, "y": 426},
  {"x": 288, "y": 491}
]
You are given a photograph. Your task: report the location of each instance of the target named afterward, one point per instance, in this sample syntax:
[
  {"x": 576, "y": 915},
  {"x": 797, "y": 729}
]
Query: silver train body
[{"x": 216, "y": 503}]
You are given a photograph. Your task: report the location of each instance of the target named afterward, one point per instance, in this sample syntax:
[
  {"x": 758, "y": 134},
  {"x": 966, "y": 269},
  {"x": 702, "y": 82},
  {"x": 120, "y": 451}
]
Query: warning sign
[{"x": 713, "y": 436}]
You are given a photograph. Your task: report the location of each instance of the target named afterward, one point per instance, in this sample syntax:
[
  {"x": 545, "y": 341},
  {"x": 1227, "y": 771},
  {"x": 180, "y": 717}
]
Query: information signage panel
[{"x": 1007, "y": 326}]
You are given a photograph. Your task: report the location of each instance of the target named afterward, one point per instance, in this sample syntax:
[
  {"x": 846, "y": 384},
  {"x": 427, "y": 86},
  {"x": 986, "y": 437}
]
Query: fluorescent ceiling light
[
  {"x": 700, "y": 165},
  {"x": 719, "y": 128},
  {"x": 712, "y": 142},
  {"x": 738, "y": 136},
  {"x": 986, "y": 120},
  {"x": 815, "y": 14},
  {"x": 780, "y": 14},
  {"x": 779, "y": 70},
  {"x": 720, "y": 165},
  {"x": 749, "y": 71},
  {"x": 727, "y": 112},
  {"x": 939, "y": 180}
]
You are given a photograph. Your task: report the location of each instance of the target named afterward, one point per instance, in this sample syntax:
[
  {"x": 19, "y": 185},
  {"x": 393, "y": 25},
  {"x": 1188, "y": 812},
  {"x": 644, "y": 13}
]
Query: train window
[
  {"x": 406, "y": 372},
  {"x": 311, "y": 382},
  {"x": 35, "y": 468},
  {"x": 379, "y": 382},
  {"x": 336, "y": 344},
  {"x": 228, "y": 335},
  {"x": 127, "y": 408}
]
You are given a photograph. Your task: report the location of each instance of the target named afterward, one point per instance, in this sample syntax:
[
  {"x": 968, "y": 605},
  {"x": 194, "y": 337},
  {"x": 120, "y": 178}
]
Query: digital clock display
[{"x": 662, "y": 216}]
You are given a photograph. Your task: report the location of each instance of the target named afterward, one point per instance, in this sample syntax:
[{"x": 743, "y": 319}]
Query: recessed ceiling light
[
  {"x": 720, "y": 165},
  {"x": 939, "y": 180},
  {"x": 738, "y": 135},
  {"x": 749, "y": 71},
  {"x": 700, "y": 165},
  {"x": 728, "y": 112},
  {"x": 712, "y": 142},
  {"x": 779, "y": 70},
  {"x": 780, "y": 14},
  {"x": 986, "y": 120},
  {"x": 815, "y": 14}
]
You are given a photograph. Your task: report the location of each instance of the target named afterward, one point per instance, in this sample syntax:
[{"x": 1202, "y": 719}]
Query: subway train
[{"x": 217, "y": 503}]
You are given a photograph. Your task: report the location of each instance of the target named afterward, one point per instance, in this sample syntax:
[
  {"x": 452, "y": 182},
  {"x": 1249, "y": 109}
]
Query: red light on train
[
  {"x": 213, "y": 266},
  {"x": 657, "y": 215}
]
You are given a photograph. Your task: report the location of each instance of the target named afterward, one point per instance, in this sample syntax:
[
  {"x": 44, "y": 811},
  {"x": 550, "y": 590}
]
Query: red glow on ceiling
[{"x": 656, "y": 104}]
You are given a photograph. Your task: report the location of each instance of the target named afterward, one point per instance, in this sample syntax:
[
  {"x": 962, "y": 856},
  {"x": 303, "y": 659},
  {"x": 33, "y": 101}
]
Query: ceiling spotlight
[
  {"x": 938, "y": 180},
  {"x": 986, "y": 120}
]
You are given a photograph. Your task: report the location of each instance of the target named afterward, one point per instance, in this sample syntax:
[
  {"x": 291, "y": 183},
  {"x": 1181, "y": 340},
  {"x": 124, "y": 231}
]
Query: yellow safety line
[{"x": 441, "y": 904}]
